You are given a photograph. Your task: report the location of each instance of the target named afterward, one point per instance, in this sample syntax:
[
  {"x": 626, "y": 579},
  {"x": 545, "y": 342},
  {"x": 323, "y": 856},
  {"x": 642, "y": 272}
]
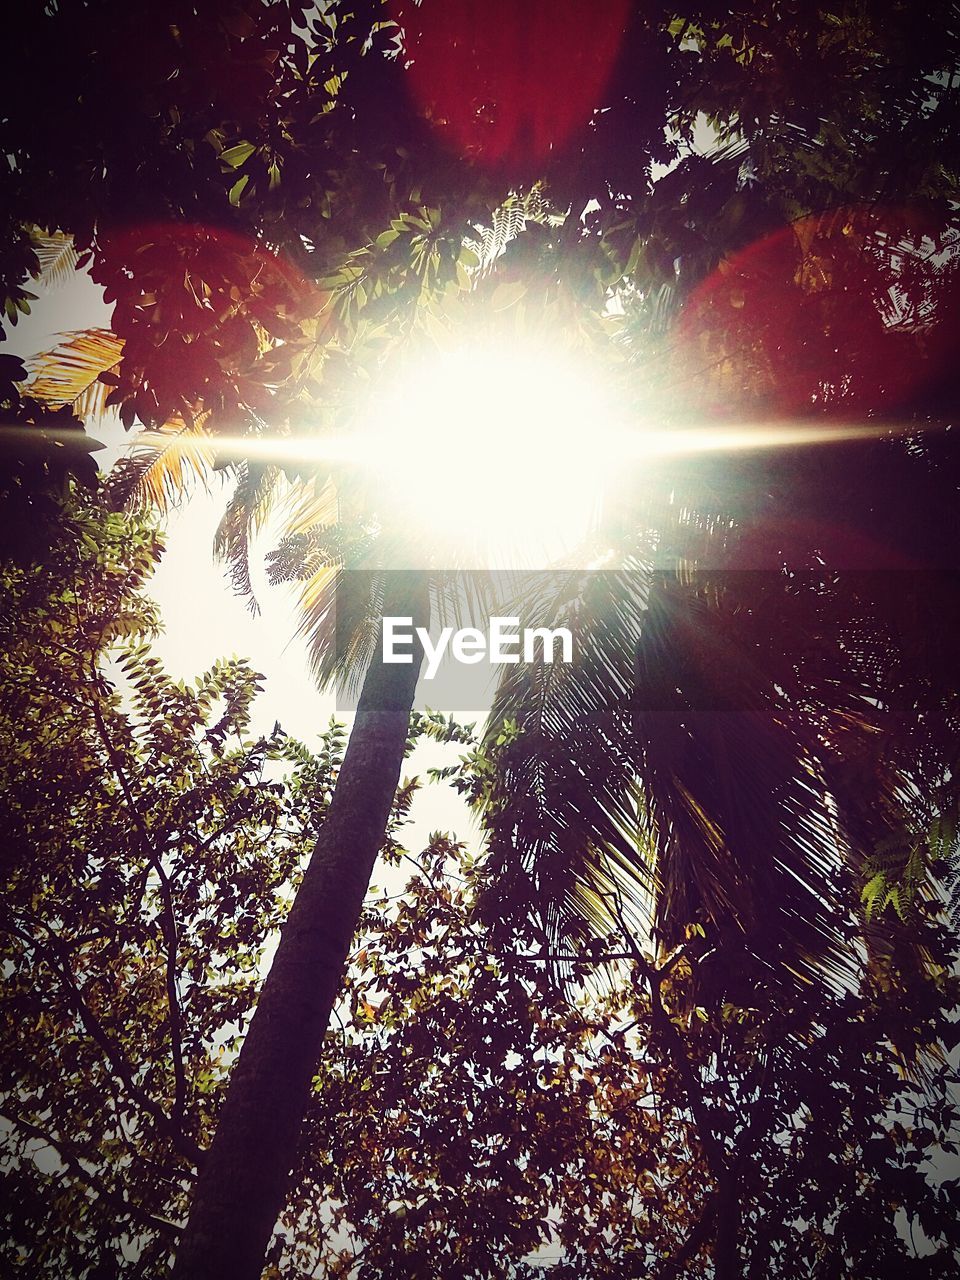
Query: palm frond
[
  {"x": 158, "y": 474},
  {"x": 56, "y": 255},
  {"x": 301, "y": 555},
  {"x": 341, "y": 583},
  {"x": 340, "y": 605},
  {"x": 69, "y": 374},
  {"x": 732, "y": 746},
  {"x": 664, "y": 775},
  {"x": 345, "y": 568},
  {"x": 248, "y": 510},
  {"x": 314, "y": 508},
  {"x": 564, "y": 816}
]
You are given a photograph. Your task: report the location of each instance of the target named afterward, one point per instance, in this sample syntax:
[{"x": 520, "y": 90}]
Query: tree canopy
[
  {"x": 470, "y": 1117},
  {"x": 251, "y": 158},
  {"x": 752, "y": 214},
  {"x": 126, "y": 980}
]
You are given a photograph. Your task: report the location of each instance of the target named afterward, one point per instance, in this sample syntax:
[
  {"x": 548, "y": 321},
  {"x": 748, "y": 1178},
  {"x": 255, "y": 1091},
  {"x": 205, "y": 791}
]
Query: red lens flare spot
[
  {"x": 839, "y": 314},
  {"x": 209, "y": 264},
  {"x": 202, "y": 310},
  {"x": 506, "y": 83}
]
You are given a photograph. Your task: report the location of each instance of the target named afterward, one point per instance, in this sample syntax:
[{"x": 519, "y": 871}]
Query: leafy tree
[
  {"x": 470, "y": 1117},
  {"x": 150, "y": 847},
  {"x": 280, "y": 204},
  {"x": 475, "y": 1113},
  {"x": 41, "y": 450}
]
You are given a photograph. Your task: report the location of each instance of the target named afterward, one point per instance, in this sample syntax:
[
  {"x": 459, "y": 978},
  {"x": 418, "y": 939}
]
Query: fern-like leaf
[
  {"x": 56, "y": 255},
  {"x": 159, "y": 469},
  {"x": 69, "y": 373},
  {"x": 509, "y": 220}
]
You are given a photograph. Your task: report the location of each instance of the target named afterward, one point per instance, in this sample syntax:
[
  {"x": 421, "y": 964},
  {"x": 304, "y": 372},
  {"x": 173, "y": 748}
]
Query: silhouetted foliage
[
  {"x": 470, "y": 1116},
  {"x": 752, "y": 212}
]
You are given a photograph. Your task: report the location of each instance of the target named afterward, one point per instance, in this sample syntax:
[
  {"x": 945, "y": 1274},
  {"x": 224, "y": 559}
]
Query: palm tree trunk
[{"x": 242, "y": 1184}]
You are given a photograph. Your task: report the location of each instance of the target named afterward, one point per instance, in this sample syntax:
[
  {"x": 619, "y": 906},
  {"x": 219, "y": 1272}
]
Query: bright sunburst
[{"x": 498, "y": 454}]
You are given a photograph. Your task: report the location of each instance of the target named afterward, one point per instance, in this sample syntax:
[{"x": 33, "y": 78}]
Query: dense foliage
[
  {"x": 476, "y": 1122},
  {"x": 150, "y": 846},
  {"x": 284, "y": 193},
  {"x": 751, "y": 214},
  {"x": 478, "y": 1112}
]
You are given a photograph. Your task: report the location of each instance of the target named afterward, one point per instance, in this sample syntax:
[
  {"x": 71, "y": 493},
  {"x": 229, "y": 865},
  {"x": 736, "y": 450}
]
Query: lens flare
[
  {"x": 501, "y": 452},
  {"x": 507, "y": 84},
  {"x": 496, "y": 454}
]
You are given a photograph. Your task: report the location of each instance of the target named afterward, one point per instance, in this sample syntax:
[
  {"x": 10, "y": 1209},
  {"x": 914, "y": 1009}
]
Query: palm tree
[
  {"x": 248, "y": 1164},
  {"x": 761, "y": 675},
  {"x": 632, "y": 775},
  {"x": 704, "y": 761}
]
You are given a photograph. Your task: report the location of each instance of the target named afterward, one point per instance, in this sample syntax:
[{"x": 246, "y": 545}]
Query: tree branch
[
  {"x": 71, "y": 1157},
  {"x": 168, "y": 923},
  {"x": 672, "y": 1268},
  {"x": 183, "y": 1144}
]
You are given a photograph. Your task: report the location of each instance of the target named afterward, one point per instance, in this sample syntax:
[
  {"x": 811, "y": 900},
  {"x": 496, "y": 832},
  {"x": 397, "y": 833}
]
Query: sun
[
  {"x": 499, "y": 453},
  {"x": 492, "y": 456}
]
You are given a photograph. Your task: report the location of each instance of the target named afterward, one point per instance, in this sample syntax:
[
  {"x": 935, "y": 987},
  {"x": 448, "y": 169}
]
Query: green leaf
[
  {"x": 872, "y": 890},
  {"x": 238, "y": 188},
  {"x": 235, "y": 156}
]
